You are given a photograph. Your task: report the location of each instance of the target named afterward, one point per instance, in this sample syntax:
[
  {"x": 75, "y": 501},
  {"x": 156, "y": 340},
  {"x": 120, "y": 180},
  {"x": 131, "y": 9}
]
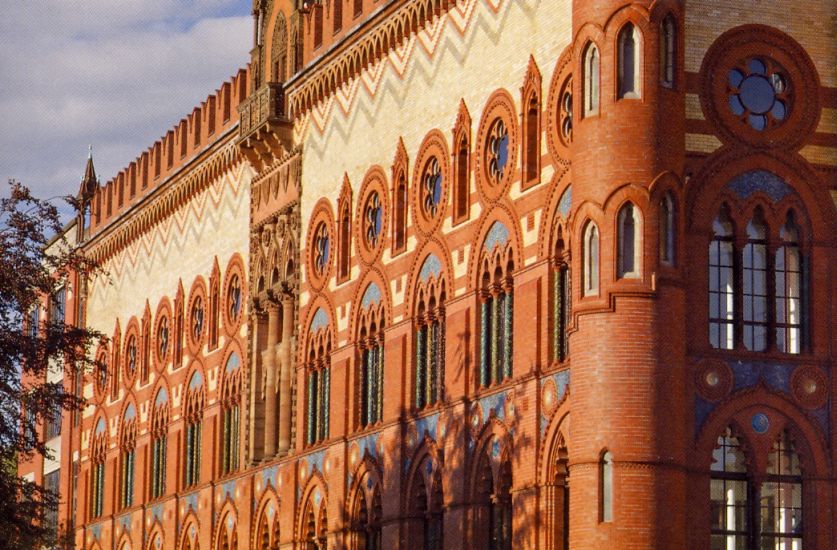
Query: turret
[
  {"x": 627, "y": 464},
  {"x": 87, "y": 189}
]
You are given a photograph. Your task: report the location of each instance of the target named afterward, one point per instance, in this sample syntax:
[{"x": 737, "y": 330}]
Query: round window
[
  {"x": 234, "y": 297},
  {"x": 497, "y": 152},
  {"x": 373, "y": 219},
  {"x": 197, "y": 319},
  {"x": 759, "y": 93},
  {"x": 163, "y": 338},
  {"x": 322, "y": 248},
  {"x": 131, "y": 357},
  {"x": 431, "y": 187}
]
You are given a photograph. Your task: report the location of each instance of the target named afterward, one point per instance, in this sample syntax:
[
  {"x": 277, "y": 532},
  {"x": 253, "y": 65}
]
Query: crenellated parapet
[{"x": 196, "y": 134}]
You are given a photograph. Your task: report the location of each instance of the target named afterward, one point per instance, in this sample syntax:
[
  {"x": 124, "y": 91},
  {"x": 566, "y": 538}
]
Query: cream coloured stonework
[{"x": 408, "y": 105}]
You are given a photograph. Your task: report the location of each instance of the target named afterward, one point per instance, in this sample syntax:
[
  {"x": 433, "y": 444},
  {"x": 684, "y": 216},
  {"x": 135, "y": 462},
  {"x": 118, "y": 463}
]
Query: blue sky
[{"x": 116, "y": 74}]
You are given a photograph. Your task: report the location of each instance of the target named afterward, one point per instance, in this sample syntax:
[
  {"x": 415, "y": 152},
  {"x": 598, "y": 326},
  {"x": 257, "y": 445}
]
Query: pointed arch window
[
  {"x": 399, "y": 228},
  {"x": 214, "y": 317},
  {"x": 430, "y": 343},
  {"x": 591, "y": 80},
  {"x": 591, "y": 259},
  {"x": 366, "y": 518},
  {"x": 493, "y": 503},
  {"x": 127, "y": 446},
  {"x": 756, "y": 511},
  {"x": 496, "y": 319},
  {"x": 629, "y": 241},
  {"x": 462, "y": 185},
  {"x": 789, "y": 291},
  {"x": 344, "y": 260},
  {"x": 316, "y": 527},
  {"x": 371, "y": 372},
  {"x": 668, "y": 230},
  {"x": 426, "y": 512},
  {"x": 629, "y": 44},
  {"x": 561, "y": 299},
  {"x": 668, "y": 45},
  {"x": 531, "y": 141},
  {"x": 721, "y": 283},
  {"x": 97, "y": 481},
  {"x": 159, "y": 433},
  {"x": 606, "y": 487},
  {"x": 318, "y": 386},
  {"x": 757, "y": 291},
  {"x": 754, "y": 284},
  {"x": 193, "y": 413},
  {"x": 231, "y": 415}
]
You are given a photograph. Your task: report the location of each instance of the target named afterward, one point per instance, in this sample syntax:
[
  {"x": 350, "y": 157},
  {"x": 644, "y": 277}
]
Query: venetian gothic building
[{"x": 480, "y": 274}]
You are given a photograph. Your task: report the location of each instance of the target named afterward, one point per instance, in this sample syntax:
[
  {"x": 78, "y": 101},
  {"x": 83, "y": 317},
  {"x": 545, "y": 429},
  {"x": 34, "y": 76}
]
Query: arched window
[
  {"x": 789, "y": 289},
  {"x": 193, "y": 413},
  {"x": 462, "y": 185},
  {"x": 214, "y": 292},
  {"x": 721, "y": 294},
  {"x": 429, "y": 340},
  {"x": 97, "y": 458},
  {"x": 316, "y": 527},
  {"x": 231, "y": 414},
  {"x": 757, "y": 292},
  {"x": 371, "y": 362},
  {"x": 558, "y": 494},
  {"x": 591, "y": 80},
  {"x": 318, "y": 386},
  {"x": 493, "y": 505},
  {"x": 426, "y": 517},
  {"x": 591, "y": 259},
  {"x": 399, "y": 228},
  {"x": 127, "y": 447},
  {"x": 159, "y": 422},
  {"x": 606, "y": 487},
  {"x": 754, "y": 284},
  {"x": 629, "y": 226},
  {"x": 366, "y": 517},
  {"x": 279, "y": 48},
  {"x": 629, "y": 68},
  {"x": 756, "y": 511},
  {"x": 531, "y": 143},
  {"x": 668, "y": 230},
  {"x": 668, "y": 41},
  {"x": 344, "y": 259},
  {"x": 561, "y": 298},
  {"x": 496, "y": 319}
]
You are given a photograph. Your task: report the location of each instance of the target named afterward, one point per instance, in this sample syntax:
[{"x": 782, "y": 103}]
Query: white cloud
[{"x": 114, "y": 73}]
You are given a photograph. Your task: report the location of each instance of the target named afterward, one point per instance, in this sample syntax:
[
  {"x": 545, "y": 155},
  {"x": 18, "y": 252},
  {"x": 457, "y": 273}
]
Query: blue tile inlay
[
  {"x": 96, "y": 530},
  {"x": 125, "y": 523},
  {"x": 774, "y": 375},
  {"x": 753, "y": 181},
  {"x": 372, "y": 295},
  {"x": 431, "y": 267},
  {"x": 566, "y": 201},
  {"x": 319, "y": 320},
  {"x": 228, "y": 490},
  {"x": 498, "y": 235},
  {"x": 192, "y": 501},
  {"x": 821, "y": 416},
  {"x": 427, "y": 426},
  {"x": 760, "y": 423},
  {"x": 157, "y": 512},
  {"x": 269, "y": 476}
]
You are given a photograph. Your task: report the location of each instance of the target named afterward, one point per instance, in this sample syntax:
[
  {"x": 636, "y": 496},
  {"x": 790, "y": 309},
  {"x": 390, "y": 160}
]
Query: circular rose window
[
  {"x": 163, "y": 339},
  {"x": 759, "y": 93},
  {"x": 322, "y": 248},
  {"x": 197, "y": 319},
  {"x": 234, "y": 298},
  {"x": 497, "y": 153},
  {"x": 431, "y": 187},
  {"x": 373, "y": 216}
]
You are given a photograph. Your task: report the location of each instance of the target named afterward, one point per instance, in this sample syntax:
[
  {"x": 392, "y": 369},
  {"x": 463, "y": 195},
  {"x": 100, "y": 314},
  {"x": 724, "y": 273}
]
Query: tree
[{"x": 36, "y": 261}]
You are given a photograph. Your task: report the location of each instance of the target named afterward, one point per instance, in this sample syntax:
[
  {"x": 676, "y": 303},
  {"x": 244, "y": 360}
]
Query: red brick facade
[{"x": 535, "y": 328}]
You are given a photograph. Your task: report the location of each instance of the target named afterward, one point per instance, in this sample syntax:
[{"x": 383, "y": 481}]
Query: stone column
[
  {"x": 269, "y": 363},
  {"x": 285, "y": 364}
]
